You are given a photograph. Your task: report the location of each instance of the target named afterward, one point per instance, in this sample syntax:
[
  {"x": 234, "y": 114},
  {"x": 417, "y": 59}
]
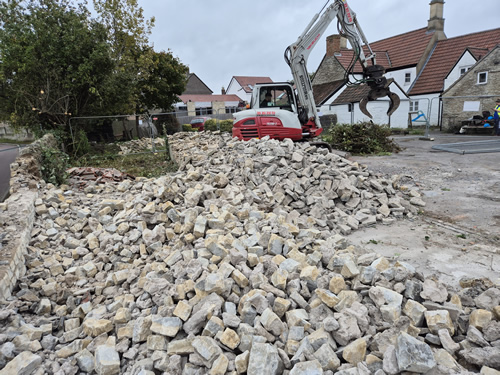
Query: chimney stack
[
  {"x": 334, "y": 43},
  {"x": 436, "y": 20}
]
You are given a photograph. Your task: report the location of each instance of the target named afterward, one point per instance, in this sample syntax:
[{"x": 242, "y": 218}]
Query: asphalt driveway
[{"x": 8, "y": 153}]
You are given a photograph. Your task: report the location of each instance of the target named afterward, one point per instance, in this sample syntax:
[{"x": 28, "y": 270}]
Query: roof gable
[
  {"x": 195, "y": 85},
  {"x": 467, "y": 52},
  {"x": 471, "y": 71},
  {"x": 446, "y": 54},
  {"x": 247, "y": 83}
]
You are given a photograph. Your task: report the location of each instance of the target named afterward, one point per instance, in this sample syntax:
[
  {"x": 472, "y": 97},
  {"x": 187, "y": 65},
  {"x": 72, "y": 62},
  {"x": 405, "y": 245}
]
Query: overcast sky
[{"x": 219, "y": 39}]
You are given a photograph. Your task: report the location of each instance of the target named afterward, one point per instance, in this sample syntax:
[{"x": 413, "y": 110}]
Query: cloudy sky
[{"x": 219, "y": 39}]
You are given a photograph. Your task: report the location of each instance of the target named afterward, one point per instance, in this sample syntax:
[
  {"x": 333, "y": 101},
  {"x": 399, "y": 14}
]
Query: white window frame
[
  {"x": 413, "y": 105},
  {"x": 407, "y": 78},
  {"x": 464, "y": 70},
  {"x": 485, "y": 78}
]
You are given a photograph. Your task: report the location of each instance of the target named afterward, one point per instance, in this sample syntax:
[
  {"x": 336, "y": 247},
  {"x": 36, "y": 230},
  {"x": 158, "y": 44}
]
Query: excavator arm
[{"x": 296, "y": 56}]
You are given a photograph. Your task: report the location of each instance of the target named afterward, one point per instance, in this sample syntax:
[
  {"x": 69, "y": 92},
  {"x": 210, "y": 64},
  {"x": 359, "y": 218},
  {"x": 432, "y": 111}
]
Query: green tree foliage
[
  {"x": 166, "y": 80},
  {"x": 128, "y": 33},
  {"x": 54, "y": 61},
  {"x": 58, "y": 62}
]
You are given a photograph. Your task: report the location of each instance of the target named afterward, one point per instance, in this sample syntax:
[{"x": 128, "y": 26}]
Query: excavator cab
[{"x": 275, "y": 95}]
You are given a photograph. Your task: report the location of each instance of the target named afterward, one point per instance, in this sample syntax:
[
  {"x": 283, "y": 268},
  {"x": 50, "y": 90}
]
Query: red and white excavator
[{"x": 276, "y": 110}]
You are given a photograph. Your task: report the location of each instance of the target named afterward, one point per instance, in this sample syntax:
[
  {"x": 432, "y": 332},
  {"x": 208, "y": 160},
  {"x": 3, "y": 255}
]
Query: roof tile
[
  {"x": 247, "y": 82},
  {"x": 324, "y": 90},
  {"x": 394, "y": 52},
  {"x": 446, "y": 54}
]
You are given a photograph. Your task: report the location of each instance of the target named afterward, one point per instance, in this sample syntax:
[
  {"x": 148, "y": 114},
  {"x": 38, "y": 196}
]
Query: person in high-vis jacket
[{"x": 496, "y": 117}]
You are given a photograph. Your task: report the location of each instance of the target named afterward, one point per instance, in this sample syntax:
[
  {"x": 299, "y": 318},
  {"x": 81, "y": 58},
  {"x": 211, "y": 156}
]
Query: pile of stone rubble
[
  {"x": 139, "y": 145},
  {"x": 237, "y": 264}
]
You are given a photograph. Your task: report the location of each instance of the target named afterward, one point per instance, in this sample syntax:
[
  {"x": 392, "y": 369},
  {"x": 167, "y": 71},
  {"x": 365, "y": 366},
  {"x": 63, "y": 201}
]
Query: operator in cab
[{"x": 267, "y": 102}]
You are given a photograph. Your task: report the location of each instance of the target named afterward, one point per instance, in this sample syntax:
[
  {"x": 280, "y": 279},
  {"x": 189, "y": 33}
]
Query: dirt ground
[{"x": 458, "y": 235}]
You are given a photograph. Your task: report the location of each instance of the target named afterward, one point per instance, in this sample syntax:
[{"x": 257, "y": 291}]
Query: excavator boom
[
  {"x": 278, "y": 113},
  {"x": 296, "y": 56}
]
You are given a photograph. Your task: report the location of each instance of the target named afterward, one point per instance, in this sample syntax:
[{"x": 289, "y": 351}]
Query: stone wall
[
  {"x": 17, "y": 213},
  {"x": 467, "y": 89}
]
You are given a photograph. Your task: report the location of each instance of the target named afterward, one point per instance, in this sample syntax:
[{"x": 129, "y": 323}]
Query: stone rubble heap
[
  {"x": 237, "y": 264},
  {"x": 139, "y": 145}
]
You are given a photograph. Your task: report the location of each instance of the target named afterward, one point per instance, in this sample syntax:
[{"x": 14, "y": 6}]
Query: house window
[
  {"x": 231, "y": 109},
  {"x": 413, "y": 105},
  {"x": 464, "y": 70},
  {"x": 203, "y": 111},
  {"x": 350, "y": 107},
  {"x": 482, "y": 78},
  {"x": 407, "y": 77}
]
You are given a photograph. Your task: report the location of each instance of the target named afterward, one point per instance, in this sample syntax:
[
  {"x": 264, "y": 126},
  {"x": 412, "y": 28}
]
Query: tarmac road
[
  {"x": 8, "y": 153},
  {"x": 458, "y": 234}
]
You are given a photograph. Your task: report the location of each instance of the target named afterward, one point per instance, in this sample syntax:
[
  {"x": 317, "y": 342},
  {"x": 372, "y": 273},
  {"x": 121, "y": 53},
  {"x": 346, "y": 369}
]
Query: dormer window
[
  {"x": 407, "y": 78},
  {"x": 464, "y": 70}
]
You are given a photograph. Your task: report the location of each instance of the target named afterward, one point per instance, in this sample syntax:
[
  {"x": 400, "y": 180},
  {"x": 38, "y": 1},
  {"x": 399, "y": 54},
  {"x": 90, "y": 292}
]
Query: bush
[
  {"x": 54, "y": 164},
  {"x": 188, "y": 128},
  {"x": 168, "y": 123},
  {"x": 226, "y": 126},
  {"x": 81, "y": 145},
  {"x": 361, "y": 138},
  {"x": 211, "y": 125}
]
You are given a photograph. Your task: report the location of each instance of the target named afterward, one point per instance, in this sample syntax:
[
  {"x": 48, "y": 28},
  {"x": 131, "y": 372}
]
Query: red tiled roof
[
  {"x": 478, "y": 53},
  {"x": 246, "y": 82},
  {"x": 446, "y": 54},
  {"x": 346, "y": 55},
  {"x": 394, "y": 52},
  {"x": 324, "y": 90},
  {"x": 404, "y": 49},
  {"x": 209, "y": 98},
  {"x": 353, "y": 94}
]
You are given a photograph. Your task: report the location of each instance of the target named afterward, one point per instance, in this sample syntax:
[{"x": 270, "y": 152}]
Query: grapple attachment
[{"x": 379, "y": 85}]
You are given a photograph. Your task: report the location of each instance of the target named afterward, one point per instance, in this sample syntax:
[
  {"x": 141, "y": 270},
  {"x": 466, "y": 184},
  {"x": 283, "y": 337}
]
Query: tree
[
  {"x": 54, "y": 62},
  {"x": 57, "y": 62},
  {"x": 159, "y": 89},
  {"x": 128, "y": 33}
]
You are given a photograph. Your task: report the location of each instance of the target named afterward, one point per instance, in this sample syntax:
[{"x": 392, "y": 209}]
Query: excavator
[{"x": 278, "y": 111}]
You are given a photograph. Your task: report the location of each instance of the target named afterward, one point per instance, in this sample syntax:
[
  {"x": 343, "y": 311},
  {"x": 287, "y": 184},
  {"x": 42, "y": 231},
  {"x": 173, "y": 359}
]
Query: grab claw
[{"x": 379, "y": 92}]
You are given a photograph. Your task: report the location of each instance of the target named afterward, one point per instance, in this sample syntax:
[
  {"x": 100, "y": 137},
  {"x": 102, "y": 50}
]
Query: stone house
[
  {"x": 418, "y": 61},
  {"x": 476, "y": 89}
]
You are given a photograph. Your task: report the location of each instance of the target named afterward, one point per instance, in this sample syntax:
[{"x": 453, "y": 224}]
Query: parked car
[{"x": 199, "y": 123}]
